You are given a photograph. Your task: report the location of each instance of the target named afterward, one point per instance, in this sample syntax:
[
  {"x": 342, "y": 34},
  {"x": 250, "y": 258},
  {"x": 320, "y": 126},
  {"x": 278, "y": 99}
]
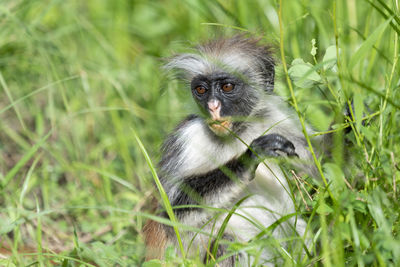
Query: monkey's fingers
[{"x": 270, "y": 145}]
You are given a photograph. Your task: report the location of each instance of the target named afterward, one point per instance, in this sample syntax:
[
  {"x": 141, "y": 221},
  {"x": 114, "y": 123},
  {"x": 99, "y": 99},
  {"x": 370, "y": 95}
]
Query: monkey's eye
[
  {"x": 227, "y": 87},
  {"x": 200, "y": 90}
]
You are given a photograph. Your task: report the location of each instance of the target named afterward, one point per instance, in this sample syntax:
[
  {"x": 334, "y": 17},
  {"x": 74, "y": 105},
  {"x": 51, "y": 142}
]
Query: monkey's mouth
[{"x": 221, "y": 126}]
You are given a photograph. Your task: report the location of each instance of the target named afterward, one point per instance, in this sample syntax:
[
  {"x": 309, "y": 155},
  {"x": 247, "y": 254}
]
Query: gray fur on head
[{"x": 237, "y": 55}]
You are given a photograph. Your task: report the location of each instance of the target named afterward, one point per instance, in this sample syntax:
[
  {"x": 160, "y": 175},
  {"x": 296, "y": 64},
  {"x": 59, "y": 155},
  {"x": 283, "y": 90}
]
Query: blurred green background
[{"x": 77, "y": 76}]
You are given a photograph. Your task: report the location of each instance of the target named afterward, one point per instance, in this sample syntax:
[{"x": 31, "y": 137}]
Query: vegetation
[{"x": 81, "y": 87}]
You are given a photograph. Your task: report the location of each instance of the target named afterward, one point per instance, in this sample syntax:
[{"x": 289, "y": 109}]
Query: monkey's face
[{"x": 224, "y": 98}]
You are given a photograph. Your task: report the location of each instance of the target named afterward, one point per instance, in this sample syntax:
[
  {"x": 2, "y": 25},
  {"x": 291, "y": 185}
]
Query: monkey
[{"x": 229, "y": 151}]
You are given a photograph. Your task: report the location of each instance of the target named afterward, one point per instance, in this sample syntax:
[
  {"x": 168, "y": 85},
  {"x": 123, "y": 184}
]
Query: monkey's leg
[{"x": 221, "y": 250}]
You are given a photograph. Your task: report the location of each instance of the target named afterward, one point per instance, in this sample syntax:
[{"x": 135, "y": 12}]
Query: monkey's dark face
[{"x": 225, "y": 99}]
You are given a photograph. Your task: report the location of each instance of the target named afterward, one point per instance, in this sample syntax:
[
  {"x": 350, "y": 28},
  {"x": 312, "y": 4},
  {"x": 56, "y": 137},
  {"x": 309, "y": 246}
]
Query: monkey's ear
[{"x": 186, "y": 66}]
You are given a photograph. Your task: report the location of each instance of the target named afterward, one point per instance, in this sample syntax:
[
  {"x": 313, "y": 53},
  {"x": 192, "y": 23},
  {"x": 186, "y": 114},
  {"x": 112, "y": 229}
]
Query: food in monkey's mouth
[{"x": 221, "y": 126}]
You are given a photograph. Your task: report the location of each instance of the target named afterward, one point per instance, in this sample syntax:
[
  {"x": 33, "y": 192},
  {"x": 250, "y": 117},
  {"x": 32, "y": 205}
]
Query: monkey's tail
[{"x": 155, "y": 240}]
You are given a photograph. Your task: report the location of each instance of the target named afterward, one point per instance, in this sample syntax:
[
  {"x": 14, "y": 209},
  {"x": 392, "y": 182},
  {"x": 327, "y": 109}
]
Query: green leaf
[
  {"x": 317, "y": 118},
  {"x": 367, "y": 45},
  {"x": 324, "y": 209},
  {"x": 368, "y": 133},
  {"x": 335, "y": 174},
  {"x": 358, "y": 109},
  {"x": 152, "y": 263},
  {"x": 376, "y": 210},
  {"x": 6, "y": 225},
  {"x": 303, "y": 74},
  {"x": 330, "y": 58}
]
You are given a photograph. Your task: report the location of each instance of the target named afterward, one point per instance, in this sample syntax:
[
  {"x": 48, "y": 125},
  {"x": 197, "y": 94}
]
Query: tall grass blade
[
  {"x": 164, "y": 196},
  {"x": 367, "y": 45},
  {"x": 28, "y": 155},
  {"x": 224, "y": 224},
  {"x": 10, "y": 97}
]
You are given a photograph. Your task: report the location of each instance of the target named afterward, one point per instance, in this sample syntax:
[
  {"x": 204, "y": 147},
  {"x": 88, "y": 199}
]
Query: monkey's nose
[{"x": 214, "y": 105}]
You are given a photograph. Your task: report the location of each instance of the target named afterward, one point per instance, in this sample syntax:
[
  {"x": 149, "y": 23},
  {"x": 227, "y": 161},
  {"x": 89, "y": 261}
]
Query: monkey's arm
[{"x": 219, "y": 186}]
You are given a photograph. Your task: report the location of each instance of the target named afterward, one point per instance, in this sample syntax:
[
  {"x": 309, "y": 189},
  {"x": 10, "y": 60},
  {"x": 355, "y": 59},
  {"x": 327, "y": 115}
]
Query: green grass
[{"x": 77, "y": 76}]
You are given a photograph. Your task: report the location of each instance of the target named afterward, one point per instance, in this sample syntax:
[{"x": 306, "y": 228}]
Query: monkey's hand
[
  {"x": 266, "y": 146},
  {"x": 271, "y": 145}
]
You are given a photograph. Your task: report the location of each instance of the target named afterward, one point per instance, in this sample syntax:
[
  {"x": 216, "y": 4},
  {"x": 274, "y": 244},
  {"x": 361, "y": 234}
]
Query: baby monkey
[{"x": 224, "y": 153}]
